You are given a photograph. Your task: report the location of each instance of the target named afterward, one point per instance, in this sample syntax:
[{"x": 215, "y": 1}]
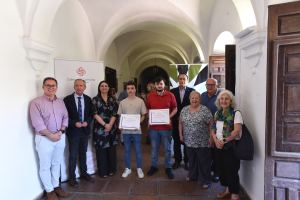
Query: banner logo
[{"x": 81, "y": 71}]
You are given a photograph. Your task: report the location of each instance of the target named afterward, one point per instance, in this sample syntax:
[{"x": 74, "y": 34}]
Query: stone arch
[
  {"x": 224, "y": 38},
  {"x": 246, "y": 12},
  {"x": 148, "y": 13},
  {"x": 171, "y": 43}
]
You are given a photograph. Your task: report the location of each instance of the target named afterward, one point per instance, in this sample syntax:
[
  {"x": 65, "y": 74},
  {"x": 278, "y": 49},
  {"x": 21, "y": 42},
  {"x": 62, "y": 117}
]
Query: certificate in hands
[
  {"x": 129, "y": 122},
  {"x": 159, "y": 117}
]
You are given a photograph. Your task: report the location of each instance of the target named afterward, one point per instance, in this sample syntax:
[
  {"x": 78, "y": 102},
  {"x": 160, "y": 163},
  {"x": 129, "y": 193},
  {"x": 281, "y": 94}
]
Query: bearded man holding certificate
[
  {"x": 160, "y": 121},
  {"x": 132, "y": 113}
]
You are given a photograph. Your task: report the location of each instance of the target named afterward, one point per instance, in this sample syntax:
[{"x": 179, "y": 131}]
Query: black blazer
[
  {"x": 185, "y": 102},
  {"x": 72, "y": 130}
]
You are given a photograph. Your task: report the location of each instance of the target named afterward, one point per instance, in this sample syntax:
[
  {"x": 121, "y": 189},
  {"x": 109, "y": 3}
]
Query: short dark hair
[
  {"x": 159, "y": 79},
  {"x": 187, "y": 77},
  {"x": 109, "y": 91},
  {"x": 49, "y": 78},
  {"x": 130, "y": 83}
]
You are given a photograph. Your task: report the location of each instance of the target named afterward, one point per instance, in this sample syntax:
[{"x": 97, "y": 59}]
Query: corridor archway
[{"x": 148, "y": 75}]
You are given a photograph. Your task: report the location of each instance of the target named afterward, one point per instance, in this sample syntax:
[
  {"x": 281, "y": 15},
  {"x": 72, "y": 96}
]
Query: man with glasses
[
  {"x": 49, "y": 118},
  {"x": 208, "y": 99},
  {"x": 80, "y": 118}
]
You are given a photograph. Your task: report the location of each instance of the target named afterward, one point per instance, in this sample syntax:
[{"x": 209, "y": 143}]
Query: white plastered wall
[
  {"x": 225, "y": 18},
  {"x": 20, "y": 86},
  {"x": 19, "y": 163}
]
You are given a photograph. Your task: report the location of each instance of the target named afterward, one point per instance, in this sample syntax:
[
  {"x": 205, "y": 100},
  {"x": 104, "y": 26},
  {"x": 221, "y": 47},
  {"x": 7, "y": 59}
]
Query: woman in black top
[{"x": 105, "y": 138}]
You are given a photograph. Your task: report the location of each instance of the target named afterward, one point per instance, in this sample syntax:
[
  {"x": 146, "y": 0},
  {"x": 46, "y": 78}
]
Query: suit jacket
[
  {"x": 185, "y": 101},
  {"x": 72, "y": 130}
]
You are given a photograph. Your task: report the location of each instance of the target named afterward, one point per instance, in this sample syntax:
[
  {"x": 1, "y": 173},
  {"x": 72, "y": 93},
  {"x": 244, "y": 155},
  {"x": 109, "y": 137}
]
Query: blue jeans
[
  {"x": 165, "y": 137},
  {"x": 137, "y": 148}
]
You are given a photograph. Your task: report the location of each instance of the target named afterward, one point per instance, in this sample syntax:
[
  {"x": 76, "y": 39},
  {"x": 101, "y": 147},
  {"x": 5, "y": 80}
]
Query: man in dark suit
[
  {"x": 80, "y": 118},
  {"x": 182, "y": 94}
]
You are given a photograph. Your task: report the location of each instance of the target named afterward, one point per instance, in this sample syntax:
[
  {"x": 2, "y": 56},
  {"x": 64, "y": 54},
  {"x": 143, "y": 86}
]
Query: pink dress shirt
[{"x": 47, "y": 114}]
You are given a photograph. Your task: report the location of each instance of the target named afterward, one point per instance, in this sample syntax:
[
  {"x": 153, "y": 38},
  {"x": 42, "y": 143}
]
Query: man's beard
[{"x": 159, "y": 90}]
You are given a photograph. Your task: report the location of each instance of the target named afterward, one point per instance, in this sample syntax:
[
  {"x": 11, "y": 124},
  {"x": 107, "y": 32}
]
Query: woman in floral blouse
[
  {"x": 105, "y": 138},
  {"x": 194, "y": 130}
]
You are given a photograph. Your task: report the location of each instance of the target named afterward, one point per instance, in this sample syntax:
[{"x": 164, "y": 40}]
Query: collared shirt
[
  {"x": 47, "y": 114},
  {"x": 165, "y": 101},
  {"x": 210, "y": 101},
  {"x": 82, "y": 104},
  {"x": 181, "y": 93}
]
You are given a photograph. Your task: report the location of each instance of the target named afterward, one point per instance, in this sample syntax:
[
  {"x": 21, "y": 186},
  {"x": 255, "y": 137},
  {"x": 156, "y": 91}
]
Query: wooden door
[
  {"x": 217, "y": 69},
  {"x": 230, "y": 68},
  {"x": 111, "y": 77},
  {"x": 282, "y": 171}
]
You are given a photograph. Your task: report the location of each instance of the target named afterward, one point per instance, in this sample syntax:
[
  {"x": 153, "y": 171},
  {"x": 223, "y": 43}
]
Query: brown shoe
[
  {"x": 60, "y": 192},
  {"x": 88, "y": 177},
  {"x": 51, "y": 196},
  {"x": 224, "y": 195},
  {"x": 73, "y": 182}
]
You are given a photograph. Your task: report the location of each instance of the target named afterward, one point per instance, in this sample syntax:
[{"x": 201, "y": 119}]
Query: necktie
[{"x": 79, "y": 109}]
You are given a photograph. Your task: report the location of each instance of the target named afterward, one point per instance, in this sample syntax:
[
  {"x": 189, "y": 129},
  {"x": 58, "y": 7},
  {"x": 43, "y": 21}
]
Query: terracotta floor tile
[
  {"x": 145, "y": 187},
  {"x": 96, "y": 186},
  {"x": 171, "y": 188},
  {"x": 195, "y": 188},
  {"x": 202, "y": 198},
  {"x": 143, "y": 197},
  {"x": 81, "y": 196},
  {"x": 118, "y": 187},
  {"x": 164, "y": 177},
  {"x": 217, "y": 188},
  {"x": 114, "y": 197},
  {"x": 173, "y": 198},
  {"x": 68, "y": 188}
]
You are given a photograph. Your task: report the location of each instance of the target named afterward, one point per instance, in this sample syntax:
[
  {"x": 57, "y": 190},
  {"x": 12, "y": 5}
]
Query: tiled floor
[{"x": 158, "y": 186}]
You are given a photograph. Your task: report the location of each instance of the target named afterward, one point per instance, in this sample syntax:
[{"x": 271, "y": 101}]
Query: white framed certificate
[
  {"x": 159, "y": 116},
  {"x": 129, "y": 122}
]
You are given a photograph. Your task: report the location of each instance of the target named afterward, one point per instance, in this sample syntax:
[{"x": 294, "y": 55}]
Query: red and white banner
[{"x": 66, "y": 72}]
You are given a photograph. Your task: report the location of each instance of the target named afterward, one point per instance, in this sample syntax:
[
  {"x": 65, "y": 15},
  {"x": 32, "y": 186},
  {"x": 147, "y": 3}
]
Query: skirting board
[{"x": 244, "y": 192}]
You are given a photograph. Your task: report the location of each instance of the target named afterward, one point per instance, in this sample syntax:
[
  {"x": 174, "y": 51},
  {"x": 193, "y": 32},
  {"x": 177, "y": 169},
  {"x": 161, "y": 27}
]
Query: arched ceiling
[{"x": 178, "y": 30}]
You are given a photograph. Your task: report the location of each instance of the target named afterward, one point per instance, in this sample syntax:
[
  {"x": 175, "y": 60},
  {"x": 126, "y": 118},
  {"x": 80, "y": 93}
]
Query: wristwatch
[
  {"x": 62, "y": 131},
  {"x": 104, "y": 124},
  {"x": 224, "y": 140}
]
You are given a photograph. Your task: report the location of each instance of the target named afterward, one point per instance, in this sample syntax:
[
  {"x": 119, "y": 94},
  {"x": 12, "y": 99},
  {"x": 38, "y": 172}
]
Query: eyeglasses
[
  {"x": 210, "y": 85},
  {"x": 49, "y": 86}
]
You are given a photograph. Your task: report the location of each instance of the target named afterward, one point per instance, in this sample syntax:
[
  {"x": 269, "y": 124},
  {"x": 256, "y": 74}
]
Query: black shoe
[
  {"x": 187, "y": 166},
  {"x": 175, "y": 165},
  {"x": 122, "y": 144},
  {"x": 169, "y": 173},
  {"x": 152, "y": 171}
]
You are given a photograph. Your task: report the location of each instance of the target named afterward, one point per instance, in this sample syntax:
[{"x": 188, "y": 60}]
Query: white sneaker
[
  {"x": 140, "y": 173},
  {"x": 126, "y": 172}
]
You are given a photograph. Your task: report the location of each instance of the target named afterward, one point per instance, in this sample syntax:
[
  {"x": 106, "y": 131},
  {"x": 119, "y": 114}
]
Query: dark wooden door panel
[
  {"x": 286, "y": 63},
  {"x": 230, "y": 67},
  {"x": 282, "y": 171}
]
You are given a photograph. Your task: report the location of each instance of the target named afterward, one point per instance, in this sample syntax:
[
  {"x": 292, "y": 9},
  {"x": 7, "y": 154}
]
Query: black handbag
[{"x": 244, "y": 148}]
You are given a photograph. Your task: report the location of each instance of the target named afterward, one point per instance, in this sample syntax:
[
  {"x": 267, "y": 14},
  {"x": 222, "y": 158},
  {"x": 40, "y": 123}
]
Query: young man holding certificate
[
  {"x": 132, "y": 112},
  {"x": 161, "y": 124}
]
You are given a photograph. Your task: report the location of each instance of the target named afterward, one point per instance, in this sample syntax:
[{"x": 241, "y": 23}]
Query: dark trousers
[
  {"x": 213, "y": 160},
  {"x": 199, "y": 160},
  {"x": 177, "y": 145},
  {"x": 228, "y": 169},
  {"x": 106, "y": 160},
  {"x": 78, "y": 146}
]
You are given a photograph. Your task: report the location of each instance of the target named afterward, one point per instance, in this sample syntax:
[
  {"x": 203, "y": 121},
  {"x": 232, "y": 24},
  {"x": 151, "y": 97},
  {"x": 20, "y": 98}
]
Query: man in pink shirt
[{"x": 49, "y": 118}]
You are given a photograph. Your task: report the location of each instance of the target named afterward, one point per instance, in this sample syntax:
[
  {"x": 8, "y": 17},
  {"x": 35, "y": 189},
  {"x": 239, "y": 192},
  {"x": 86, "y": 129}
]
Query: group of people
[{"x": 205, "y": 124}]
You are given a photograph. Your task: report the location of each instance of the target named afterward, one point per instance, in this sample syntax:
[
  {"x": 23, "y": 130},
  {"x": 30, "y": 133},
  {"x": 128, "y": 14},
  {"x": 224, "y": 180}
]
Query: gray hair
[
  {"x": 195, "y": 93},
  {"x": 216, "y": 81},
  {"x": 231, "y": 96},
  {"x": 79, "y": 79}
]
